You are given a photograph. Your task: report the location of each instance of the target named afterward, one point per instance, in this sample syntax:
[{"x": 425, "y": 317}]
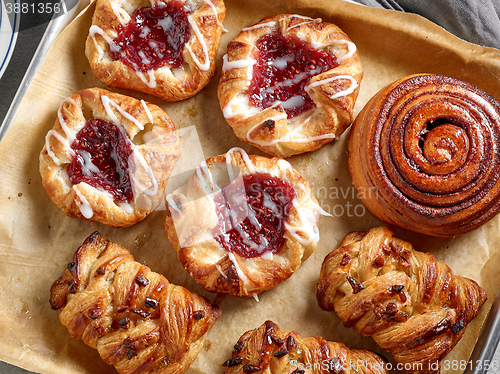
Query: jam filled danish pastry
[
  {"x": 268, "y": 349},
  {"x": 413, "y": 306},
  {"x": 429, "y": 146},
  {"x": 108, "y": 156},
  {"x": 135, "y": 318},
  {"x": 289, "y": 84},
  {"x": 243, "y": 223},
  {"x": 166, "y": 48}
]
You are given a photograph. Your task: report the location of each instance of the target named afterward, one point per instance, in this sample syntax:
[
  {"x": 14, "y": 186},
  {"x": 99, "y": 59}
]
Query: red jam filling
[
  {"x": 154, "y": 37},
  {"x": 252, "y": 212},
  {"x": 102, "y": 154},
  {"x": 284, "y": 67}
]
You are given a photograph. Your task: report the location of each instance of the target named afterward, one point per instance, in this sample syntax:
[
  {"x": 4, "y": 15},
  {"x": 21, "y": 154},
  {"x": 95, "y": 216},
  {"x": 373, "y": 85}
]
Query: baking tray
[{"x": 490, "y": 332}]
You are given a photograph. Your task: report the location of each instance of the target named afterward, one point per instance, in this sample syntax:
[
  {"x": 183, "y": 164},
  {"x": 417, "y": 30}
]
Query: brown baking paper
[{"x": 37, "y": 240}]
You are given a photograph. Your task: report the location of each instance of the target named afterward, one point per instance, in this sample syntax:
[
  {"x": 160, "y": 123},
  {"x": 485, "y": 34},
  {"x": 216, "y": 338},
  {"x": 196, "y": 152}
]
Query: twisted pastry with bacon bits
[
  {"x": 135, "y": 318},
  {"x": 267, "y": 349},
  {"x": 412, "y": 305}
]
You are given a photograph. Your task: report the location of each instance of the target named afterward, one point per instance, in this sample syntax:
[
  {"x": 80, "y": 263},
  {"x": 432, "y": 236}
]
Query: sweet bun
[
  {"x": 412, "y": 305},
  {"x": 108, "y": 156},
  {"x": 289, "y": 84},
  {"x": 172, "y": 54},
  {"x": 268, "y": 349},
  {"x": 243, "y": 223},
  {"x": 424, "y": 154},
  {"x": 137, "y": 320}
]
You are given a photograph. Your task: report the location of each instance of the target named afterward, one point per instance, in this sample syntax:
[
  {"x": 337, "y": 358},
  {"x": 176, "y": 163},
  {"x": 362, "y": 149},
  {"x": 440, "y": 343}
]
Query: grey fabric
[{"x": 477, "y": 21}]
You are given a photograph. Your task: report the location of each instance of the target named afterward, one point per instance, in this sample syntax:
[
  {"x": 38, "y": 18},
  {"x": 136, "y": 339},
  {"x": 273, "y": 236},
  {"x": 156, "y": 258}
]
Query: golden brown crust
[
  {"x": 168, "y": 84},
  {"x": 412, "y": 305},
  {"x": 424, "y": 155},
  {"x": 268, "y": 349},
  {"x": 135, "y": 318},
  {"x": 192, "y": 218},
  {"x": 269, "y": 129},
  {"x": 156, "y": 148}
]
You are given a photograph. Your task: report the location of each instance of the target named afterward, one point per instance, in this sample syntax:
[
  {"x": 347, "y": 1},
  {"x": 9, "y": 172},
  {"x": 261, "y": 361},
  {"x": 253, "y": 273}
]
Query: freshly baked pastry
[
  {"x": 289, "y": 84},
  {"x": 135, "y": 318},
  {"x": 267, "y": 349},
  {"x": 243, "y": 223},
  {"x": 424, "y": 154},
  {"x": 412, "y": 305},
  {"x": 166, "y": 48},
  {"x": 108, "y": 156}
]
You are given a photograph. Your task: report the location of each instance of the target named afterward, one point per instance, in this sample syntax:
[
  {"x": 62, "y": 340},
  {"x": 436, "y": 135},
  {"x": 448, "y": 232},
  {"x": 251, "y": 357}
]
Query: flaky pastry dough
[
  {"x": 171, "y": 84},
  {"x": 135, "y": 318},
  {"x": 192, "y": 219},
  {"x": 151, "y": 135},
  {"x": 428, "y": 147},
  {"x": 334, "y": 91},
  {"x": 269, "y": 350},
  {"x": 412, "y": 305}
]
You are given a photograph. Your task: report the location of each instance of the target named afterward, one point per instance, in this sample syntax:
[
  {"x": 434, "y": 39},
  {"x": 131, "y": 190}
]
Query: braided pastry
[
  {"x": 135, "y": 318},
  {"x": 267, "y": 349},
  {"x": 289, "y": 84},
  {"x": 427, "y": 149},
  {"x": 412, "y": 305}
]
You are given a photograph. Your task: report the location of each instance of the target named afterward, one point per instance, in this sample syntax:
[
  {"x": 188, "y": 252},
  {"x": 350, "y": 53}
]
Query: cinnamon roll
[{"x": 427, "y": 147}]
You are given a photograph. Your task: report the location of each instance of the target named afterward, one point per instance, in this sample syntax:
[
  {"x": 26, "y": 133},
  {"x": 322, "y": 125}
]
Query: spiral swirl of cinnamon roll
[{"x": 424, "y": 155}]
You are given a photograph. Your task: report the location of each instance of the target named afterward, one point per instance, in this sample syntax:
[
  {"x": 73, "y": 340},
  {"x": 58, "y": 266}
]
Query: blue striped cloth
[{"x": 477, "y": 21}]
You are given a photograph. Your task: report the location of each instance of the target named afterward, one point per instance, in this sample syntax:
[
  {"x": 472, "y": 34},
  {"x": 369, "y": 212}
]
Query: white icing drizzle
[
  {"x": 220, "y": 270},
  {"x": 206, "y": 65},
  {"x": 308, "y": 20},
  {"x": 240, "y": 273},
  {"x": 149, "y": 171},
  {"x": 238, "y": 64},
  {"x": 172, "y": 204},
  {"x": 107, "y": 102},
  {"x": 116, "y": 11},
  {"x": 83, "y": 204},
  {"x": 311, "y": 232},
  {"x": 210, "y": 187},
  {"x": 126, "y": 207},
  {"x": 94, "y": 29},
  {"x": 66, "y": 142},
  {"x": 148, "y": 112},
  {"x": 258, "y": 26},
  {"x": 348, "y": 91},
  {"x": 211, "y": 5},
  {"x": 351, "y": 50},
  {"x": 243, "y": 108},
  {"x": 245, "y": 157},
  {"x": 151, "y": 83}
]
